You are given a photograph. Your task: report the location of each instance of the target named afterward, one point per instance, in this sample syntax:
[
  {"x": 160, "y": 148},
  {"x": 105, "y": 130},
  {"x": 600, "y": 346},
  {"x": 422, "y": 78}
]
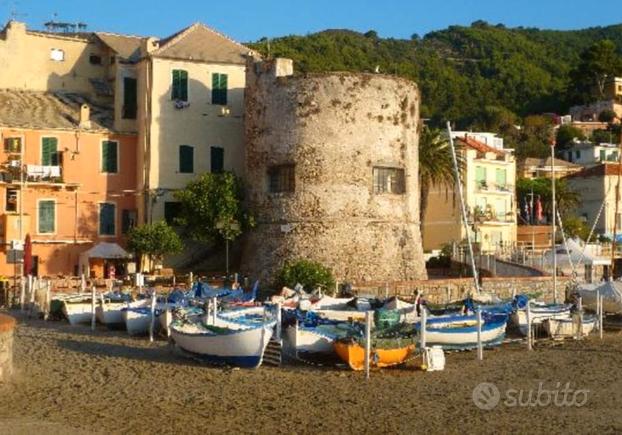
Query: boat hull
[
  {"x": 78, "y": 312},
  {"x": 465, "y": 337},
  {"x": 243, "y": 348},
  {"x": 567, "y": 328},
  {"x": 353, "y": 354},
  {"x": 539, "y": 315}
]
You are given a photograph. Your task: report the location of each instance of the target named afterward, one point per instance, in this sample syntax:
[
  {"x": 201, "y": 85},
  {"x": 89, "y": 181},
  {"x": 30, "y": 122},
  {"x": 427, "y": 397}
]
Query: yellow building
[{"x": 488, "y": 180}]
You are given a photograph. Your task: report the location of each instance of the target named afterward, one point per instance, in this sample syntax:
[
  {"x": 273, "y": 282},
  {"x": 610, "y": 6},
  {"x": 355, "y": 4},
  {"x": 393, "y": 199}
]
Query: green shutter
[
  {"x": 219, "y": 88},
  {"x": 49, "y": 151},
  {"x": 46, "y": 217},
  {"x": 109, "y": 157},
  {"x": 106, "y": 219},
  {"x": 186, "y": 159},
  {"x": 175, "y": 93},
  {"x": 129, "y": 98},
  {"x": 183, "y": 83},
  {"x": 500, "y": 177},
  {"x": 480, "y": 174},
  {"x": 217, "y": 159}
]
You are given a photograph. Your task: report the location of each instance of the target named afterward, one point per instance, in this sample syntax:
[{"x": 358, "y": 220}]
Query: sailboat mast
[
  {"x": 554, "y": 216},
  {"x": 615, "y": 215},
  {"x": 465, "y": 221}
]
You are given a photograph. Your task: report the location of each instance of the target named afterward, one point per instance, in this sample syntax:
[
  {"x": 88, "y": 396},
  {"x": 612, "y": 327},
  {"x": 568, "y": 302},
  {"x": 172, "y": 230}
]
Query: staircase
[{"x": 272, "y": 355}]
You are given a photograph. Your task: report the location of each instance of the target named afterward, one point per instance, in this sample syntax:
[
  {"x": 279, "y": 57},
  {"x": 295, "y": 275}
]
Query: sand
[{"x": 70, "y": 380}]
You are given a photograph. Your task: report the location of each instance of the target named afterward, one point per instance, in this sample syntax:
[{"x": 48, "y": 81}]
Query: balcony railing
[
  {"x": 489, "y": 214},
  {"x": 12, "y": 172},
  {"x": 484, "y": 186}
]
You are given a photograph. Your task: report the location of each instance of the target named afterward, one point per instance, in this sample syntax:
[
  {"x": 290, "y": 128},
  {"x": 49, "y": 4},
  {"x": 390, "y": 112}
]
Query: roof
[
  {"x": 106, "y": 250},
  {"x": 479, "y": 146},
  {"x": 540, "y": 162},
  {"x": 598, "y": 170},
  {"x": 199, "y": 42},
  {"x": 126, "y": 46},
  {"x": 50, "y": 110}
]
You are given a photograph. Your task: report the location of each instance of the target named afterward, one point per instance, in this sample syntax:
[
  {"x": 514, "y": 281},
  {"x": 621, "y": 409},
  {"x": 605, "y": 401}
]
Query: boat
[
  {"x": 78, "y": 309},
  {"x": 109, "y": 310},
  {"x": 137, "y": 319},
  {"x": 567, "y": 328},
  {"x": 352, "y": 352},
  {"x": 539, "y": 313},
  {"x": 462, "y": 335},
  {"x": 611, "y": 292},
  {"x": 223, "y": 341},
  {"x": 313, "y": 341}
]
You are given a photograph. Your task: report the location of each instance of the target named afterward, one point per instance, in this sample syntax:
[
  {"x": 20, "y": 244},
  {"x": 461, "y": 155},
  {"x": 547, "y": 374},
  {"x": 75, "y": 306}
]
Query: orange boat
[{"x": 353, "y": 353}]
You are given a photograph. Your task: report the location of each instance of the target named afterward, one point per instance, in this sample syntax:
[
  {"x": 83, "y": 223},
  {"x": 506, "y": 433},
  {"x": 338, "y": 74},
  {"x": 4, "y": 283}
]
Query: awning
[{"x": 106, "y": 251}]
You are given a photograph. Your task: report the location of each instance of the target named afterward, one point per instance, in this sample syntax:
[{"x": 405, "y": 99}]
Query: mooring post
[
  {"x": 152, "y": 323},
  {"x": 368, "y": 320},
  {"x": 214, "y": 309},
  {"x": 422, "y": 335},
  {"x": 22, "y": 295},
  {"x": 528, "y": 314},
  {"x": 278, "y": 321},
  {"x": 600, "y": 317},
  {"x": 93, "y": 318},
  {"x": 46, "y": 311},
  {"x": 480, "y": 348}
]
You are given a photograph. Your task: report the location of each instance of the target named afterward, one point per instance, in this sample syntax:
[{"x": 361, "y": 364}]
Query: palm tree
[{"x": 436, "y": 166}]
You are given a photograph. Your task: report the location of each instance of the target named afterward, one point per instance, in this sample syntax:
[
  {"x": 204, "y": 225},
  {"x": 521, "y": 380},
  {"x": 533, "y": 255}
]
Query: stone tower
[{"x": 332, "y": 173}]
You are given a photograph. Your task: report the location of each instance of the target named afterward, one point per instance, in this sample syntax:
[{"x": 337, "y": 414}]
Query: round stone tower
[{"x": 332, "y": 173}]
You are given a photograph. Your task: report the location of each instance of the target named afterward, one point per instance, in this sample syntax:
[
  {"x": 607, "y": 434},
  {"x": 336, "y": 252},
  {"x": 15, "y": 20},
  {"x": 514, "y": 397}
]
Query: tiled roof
[
  {"x": 127, "y": 47},
  {"x": 199, "y": 42},
  {"x": 539, "y": 162},
  {"x": 47, "y": 110},
  {"x": 599, "y": 170},
  {"x": 479, "y": 146}
]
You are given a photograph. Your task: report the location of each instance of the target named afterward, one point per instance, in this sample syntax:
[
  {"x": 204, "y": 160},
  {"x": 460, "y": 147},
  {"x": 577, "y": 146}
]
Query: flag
[
  {"x": 538, "y": 210},
  {"x": 526, "y": 212}
]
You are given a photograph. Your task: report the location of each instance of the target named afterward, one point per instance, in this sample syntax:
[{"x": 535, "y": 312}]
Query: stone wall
[
  {"x": 7, "y": 324},
  {"x": 334, "y": 128},
  {"x": 446, "y": 290}
]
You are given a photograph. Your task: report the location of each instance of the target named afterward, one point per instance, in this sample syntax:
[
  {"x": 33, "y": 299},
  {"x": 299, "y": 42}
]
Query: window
[
  {"x": 613, "y": 157},
  {"x": 58, "y": 55},
  {"x": 217, "y": 159},
  {"x": 180, "y": 85},
  {"x": 501, "y": 178},
  {"x": 186, "y": 159},
  {"x": 603, "y": 155},
  {"x": 129, "y": 98},
  {"x": 47, "y": 216},
  {"x": 172, "y": 211},
  {"x": 106, "y": 219},
  {"x": 128, "y": 220},
  {"x": 388, "y": 180},
  {"x": 501, "y": 209},
  {"x": 13, "y": 145},
  {"x": 219, "y": 89},
  {"x": 49, "y": 151},
  {"x": 480, "y": 176},
  {"x": 110, "y": 157},
  {"x": 95, "y": 59},
  {"x": 11, "y": 200},
  {"x": 281, "y": 178},
  {"x": 577, "y": 154},
  {"x": 570, "y": 156}
]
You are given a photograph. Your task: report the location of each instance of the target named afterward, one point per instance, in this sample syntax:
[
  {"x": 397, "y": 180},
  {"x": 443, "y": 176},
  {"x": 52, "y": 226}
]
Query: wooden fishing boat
[
  {"x": 539, "y": 313},
  {"x": 301, "y": 341},
  {"x": 78, "y": 309},
  {"x": 223, "y": 342},
  {"x": 567, "y": 328},
  {"x": 110, "y": 311},
  {"x": 456, "y": 336},
  {"x": 353, "y": 353}
]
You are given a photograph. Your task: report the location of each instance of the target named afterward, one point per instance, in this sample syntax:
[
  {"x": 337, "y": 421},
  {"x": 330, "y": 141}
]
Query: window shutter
[
  {"x": 175, "y": 93},
  {"x": 46, "y": 217},
  {"x": 183, "y": 83},
  {"x": 129, "y": 98},
  {"x": 106, "y": 219},
  {"x": 501, "y": 177},
  {"x": 217, "y": 159},
  {"x": 109, "y": 156},
  {"x": 186, "y": 159},
  {"x": 49, "y": 151},
  {"x": 219, "y": 88},
  {"x": 223, "y": 89},
  {"x": 215, "y": 87}
]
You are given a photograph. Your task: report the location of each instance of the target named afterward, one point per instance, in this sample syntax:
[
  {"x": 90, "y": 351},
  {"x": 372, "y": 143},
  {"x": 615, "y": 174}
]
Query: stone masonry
[
  {"x": 7, "y": 324},
  {"x": 333, "y": 129}
]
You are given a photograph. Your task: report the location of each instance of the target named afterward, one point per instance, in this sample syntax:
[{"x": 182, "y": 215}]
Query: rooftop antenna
[{"x": 14, "y": 13}]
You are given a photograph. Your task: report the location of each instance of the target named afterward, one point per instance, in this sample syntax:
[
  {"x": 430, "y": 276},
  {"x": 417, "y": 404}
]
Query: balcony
[
  {"x": 485, "y": 187},
  {"x": 12, "y": 172},
  {"x": 489, "y": 215}
]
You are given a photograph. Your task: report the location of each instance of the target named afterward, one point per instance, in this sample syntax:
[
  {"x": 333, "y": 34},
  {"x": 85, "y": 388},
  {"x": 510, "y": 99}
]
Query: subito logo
[{"x": 486, "y": 396}]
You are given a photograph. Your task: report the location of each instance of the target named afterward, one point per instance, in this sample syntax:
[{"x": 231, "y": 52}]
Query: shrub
[{"x": 309, "y": 274}]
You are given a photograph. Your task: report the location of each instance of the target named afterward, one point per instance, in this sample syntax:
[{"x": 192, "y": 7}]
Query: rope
[
  {"x": 602, "y": 207},
  {"x": 561, "y": 228}
]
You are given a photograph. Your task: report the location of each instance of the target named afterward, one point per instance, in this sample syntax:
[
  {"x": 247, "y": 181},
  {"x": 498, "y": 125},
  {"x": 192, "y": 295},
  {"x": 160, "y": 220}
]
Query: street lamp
[{"x": 227, "y": 228}]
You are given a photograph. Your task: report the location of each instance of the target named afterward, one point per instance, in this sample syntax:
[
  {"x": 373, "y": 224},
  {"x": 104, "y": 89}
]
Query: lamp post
[{"x": 227, "y": 228}]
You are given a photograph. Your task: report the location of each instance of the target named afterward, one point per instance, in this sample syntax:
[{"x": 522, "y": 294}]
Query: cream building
[
  {"x": 488, "y": 182},
  {"x": 597, "y": 185}
]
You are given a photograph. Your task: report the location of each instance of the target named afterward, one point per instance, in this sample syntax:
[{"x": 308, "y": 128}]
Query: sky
[{"x": 247, "y": 20}]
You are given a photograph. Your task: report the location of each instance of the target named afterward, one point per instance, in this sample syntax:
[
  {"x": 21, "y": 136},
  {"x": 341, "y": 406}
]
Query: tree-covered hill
[{"x": 463, "y": 72}]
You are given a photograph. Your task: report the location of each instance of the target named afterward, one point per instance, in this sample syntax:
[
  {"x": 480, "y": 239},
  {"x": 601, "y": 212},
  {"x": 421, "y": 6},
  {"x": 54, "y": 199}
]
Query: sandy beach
[{"x": 70, "y": 380}]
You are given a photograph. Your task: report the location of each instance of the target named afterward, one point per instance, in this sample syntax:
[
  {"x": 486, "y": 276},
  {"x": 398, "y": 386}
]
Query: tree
[
  {"x": 602, "y": 136},
  {"x": 575, "y": 227},
  {"x": 435, "y": 165},
  {"x": 309, "y": 274},
  {"x": 211, "y": 208},
  {"x": 566, "y": 134},
  {"x": 607, "y": 116},
  {"x": 567, "y": 199},
  {"x": 153, "y": 240},
  {"x": 599, "y": 63}
]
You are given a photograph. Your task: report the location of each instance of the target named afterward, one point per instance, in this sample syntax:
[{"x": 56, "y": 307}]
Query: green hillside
[{"x": 463, "y": 72}]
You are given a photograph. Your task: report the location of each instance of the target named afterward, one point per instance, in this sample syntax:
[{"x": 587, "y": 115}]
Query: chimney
[
  {"x": 85, "y": 116},
  {"x": 148, "y": 45}
]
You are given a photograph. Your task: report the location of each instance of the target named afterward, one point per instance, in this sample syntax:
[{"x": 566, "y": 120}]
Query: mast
[
  {"x": 465, "y": 221},
  {"x": 554, "y": 215},
  {"x": 615, "y": 215}
]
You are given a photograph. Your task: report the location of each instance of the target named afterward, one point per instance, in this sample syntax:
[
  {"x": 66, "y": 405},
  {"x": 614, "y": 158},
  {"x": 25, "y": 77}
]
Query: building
[
  {"x": 488, "y": 178},
  {"x": 67, "y": 178},
  {"x": 535, "y": 167},
  {"x": 491, "y": 139},
  {"x": 332, "y": 164},
  {"x": 612, "y": 101},
  {"x": 588, "y": 153},
  {"x": 597, "y": 186}
]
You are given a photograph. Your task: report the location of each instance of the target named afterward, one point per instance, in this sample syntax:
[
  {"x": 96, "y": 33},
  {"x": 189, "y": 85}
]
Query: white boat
[
  {"x": 567, "y": 328},
  {"x": 78, "y": 309},
  {"x": 138, "y": 319},
  {"x": 224, "y": 341},
  {"x": 110, "y": 313},
  {"x": 539, "y": 313},
  {"x": 449, "y": 336},
  {"x": 611, "y": 292},
  {"x": 300, "y": 340},
  {"x": 166, "y": 317}
]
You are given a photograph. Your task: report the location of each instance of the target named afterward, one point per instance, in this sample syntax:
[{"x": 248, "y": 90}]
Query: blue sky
[{"x": 246, "y": 20}]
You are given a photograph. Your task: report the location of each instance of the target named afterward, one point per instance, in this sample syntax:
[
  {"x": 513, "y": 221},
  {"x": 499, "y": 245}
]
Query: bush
[
  {"x": 154, "y": 240},
  {"x": 307, "y": 273}
]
